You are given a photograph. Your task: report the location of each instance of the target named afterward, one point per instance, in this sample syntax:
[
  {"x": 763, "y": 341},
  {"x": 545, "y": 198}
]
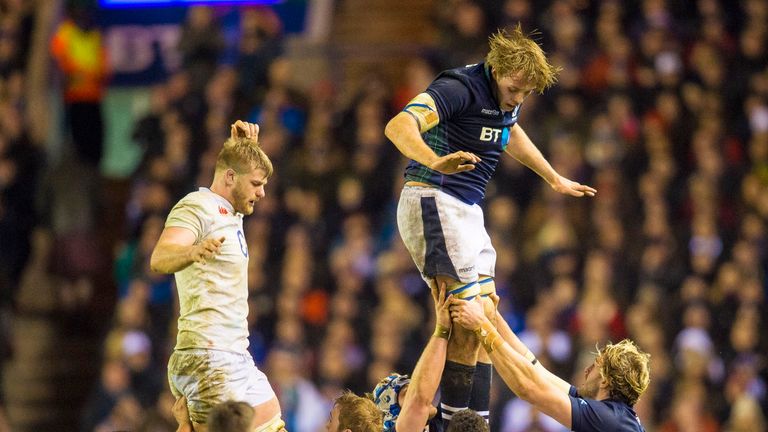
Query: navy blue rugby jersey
[
  {"x": 589, "y": 415},
  {"x": 470, "y": 120}
]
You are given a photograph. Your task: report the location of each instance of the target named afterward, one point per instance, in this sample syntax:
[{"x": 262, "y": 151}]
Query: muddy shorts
[
  {"x": 444, "y": 235},
  {"x": 209, "y": 377}
]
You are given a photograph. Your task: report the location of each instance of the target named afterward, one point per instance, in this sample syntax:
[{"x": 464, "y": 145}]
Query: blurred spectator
[
  {"x": 200, "y": 44},
  {"x": 82, "y": 59}
]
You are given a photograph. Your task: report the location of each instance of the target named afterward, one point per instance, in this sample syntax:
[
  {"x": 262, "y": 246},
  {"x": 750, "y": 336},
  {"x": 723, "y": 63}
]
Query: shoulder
[
  {"x": 455, "y": 89},
  {"x": 467, "y": 76},
  {"x": 592, "y": 415},
  {"x": 198, "y": 202},
  {"x": 198, "y": 197}
]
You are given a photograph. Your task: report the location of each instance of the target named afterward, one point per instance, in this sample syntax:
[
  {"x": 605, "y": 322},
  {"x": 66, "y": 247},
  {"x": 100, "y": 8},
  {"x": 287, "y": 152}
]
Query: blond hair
[
  {"x": 513, "y": 52},
  {"x": 626, "y": 369},
  {"x": 243, "y": 155},
  {"x": 358, "y": 414}
]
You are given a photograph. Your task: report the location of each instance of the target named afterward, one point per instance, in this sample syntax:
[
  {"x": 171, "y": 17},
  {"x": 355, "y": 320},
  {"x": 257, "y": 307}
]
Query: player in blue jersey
[
  {"x": 407, "y": 402},
  {"x": 454, "y": 133},
  {"x": 613, "y": 383}
]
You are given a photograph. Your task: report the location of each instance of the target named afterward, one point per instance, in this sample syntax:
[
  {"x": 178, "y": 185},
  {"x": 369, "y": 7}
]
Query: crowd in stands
[{"x": 661, "y": 105}]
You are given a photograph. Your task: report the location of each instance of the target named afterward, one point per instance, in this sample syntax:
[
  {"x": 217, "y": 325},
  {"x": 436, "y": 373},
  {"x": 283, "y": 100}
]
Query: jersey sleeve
[
  {"x": 189, "y": 213},
  {"x": 589, "y": 415},
  {"x": 451, "y": 96}
]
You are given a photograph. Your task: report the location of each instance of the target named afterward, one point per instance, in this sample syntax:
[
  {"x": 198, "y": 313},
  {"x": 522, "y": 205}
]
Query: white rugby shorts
[
  {"x": 444, "y": 235},
  {"x": 209, "y": 377}
]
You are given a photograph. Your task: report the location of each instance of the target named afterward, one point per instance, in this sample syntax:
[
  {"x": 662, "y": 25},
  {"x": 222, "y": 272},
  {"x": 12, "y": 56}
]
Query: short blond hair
[
  {"x": 243, "y": 155},
  {"x": 358, "y": 414},
  {"x": 513, "y": 52},
  {"x": 626, "y": 369}
]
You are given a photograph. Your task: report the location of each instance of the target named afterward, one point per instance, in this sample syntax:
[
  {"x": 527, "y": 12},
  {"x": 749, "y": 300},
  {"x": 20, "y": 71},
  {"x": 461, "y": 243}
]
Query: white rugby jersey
[{"x": 213, "y": 296}]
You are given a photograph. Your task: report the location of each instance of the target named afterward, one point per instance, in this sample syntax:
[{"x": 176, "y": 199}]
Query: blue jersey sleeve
[
  {"x": 451, "y": 96},
  {"x": 589, "y": 415}
]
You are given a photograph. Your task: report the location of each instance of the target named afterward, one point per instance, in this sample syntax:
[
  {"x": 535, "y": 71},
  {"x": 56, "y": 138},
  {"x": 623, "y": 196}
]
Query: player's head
[
  {"x": 354, "y": 413},
  {"x": 467, "y": 421},
  {"x": 245, "y": 169},
  {"x": 622, "y": 369},
  {"x": 231, "y": 416},
  {"x": 387, "y": 397},
  {"x": 519, "y": 66}
]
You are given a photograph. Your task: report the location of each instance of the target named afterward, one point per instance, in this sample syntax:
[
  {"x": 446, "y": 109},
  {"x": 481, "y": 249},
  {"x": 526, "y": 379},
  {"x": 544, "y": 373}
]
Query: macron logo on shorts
[
  {"x": 466, "y": 269},
  {"x": 223, "y": 211}
]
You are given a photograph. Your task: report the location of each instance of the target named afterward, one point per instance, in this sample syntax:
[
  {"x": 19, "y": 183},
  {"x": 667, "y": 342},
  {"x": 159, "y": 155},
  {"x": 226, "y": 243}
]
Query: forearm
[
  {"x": 186, "y": 427},
  {"x": 517, "y": 372},
  {"x": 509, "y": 336},
  {"x": 403, "y": 131},
  {"x": 425, "y": 381},
  {"x": 523, "y": 150},
  {"x": 527, "y": 382},
  {"x": 170, "y": 258},
  {"x": 518, "y": 346},
  {"x": 426, "y": 375}
]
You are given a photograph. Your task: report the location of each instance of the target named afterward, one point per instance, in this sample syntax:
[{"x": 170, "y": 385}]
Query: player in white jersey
[{"x": 204, "y": 246}]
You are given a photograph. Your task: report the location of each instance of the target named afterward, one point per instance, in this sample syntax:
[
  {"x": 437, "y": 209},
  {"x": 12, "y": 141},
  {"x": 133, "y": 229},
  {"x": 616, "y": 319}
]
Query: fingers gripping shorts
[
  {"x": 445, "y": 236},
  {"x": 209, "y": 377}
]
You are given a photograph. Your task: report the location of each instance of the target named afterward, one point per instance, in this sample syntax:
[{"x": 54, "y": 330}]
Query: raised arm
[
  {"x": 425, "y": 379},
  {"x": 243, "y": 129},
  {"x": 518, "y": 372},
  {"x": 518, "y": 346},
  {"x": 176, "y": 250},
  {"x": 522, "y": 148}
]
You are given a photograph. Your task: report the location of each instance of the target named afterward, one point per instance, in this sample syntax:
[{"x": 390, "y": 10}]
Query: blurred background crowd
[{"x": 662, "y": 105}]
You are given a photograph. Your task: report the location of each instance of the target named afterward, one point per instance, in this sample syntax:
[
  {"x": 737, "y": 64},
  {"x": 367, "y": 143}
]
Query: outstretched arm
[
  {"x": 518, "y": 346},
  {"x": 518, "y": 372},
  {"x": 522, "y": 148},
  {"x": 426, "y": 375}
]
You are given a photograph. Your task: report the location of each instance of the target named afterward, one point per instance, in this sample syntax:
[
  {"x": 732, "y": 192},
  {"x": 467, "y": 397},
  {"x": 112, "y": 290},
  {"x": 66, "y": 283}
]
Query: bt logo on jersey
[{"x": 490, "y": 134}]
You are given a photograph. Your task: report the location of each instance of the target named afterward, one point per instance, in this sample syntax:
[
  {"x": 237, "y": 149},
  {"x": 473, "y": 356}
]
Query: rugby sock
[
  {"x": 455, "y": 389},
  {"x": 480, "y": 399}
]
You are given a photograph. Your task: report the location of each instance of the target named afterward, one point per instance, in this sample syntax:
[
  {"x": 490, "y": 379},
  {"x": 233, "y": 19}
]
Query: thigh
[
  {"x": 200, "y": 377},
  {"x": 209, "y": 377},
  {"x": 252, "y": 385},
  {"x": 444, "y": 236}
]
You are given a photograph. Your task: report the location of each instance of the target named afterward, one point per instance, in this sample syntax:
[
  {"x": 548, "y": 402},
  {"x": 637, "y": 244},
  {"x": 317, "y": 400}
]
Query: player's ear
[
  {"x": 604, "y": 384},
  {"x": 229, "y": 176}
]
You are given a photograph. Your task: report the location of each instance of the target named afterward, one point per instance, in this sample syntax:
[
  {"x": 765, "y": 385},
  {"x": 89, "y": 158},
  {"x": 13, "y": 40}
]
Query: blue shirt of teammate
[
  {"x": 589, "y": 415},
  {"x": 470, "y": 120}
]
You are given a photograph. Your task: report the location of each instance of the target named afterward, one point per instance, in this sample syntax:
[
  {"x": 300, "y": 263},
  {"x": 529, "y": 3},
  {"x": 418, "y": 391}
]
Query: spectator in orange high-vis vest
[{"x": 80, "y": 55}]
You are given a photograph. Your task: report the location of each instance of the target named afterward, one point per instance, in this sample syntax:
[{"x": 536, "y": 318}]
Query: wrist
[
  {"x": 442, "y": 332},
  {"x": 489, "y": 337},
  {"x": 430, "y": 161},
  {"x": 554, "y": 179}
]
